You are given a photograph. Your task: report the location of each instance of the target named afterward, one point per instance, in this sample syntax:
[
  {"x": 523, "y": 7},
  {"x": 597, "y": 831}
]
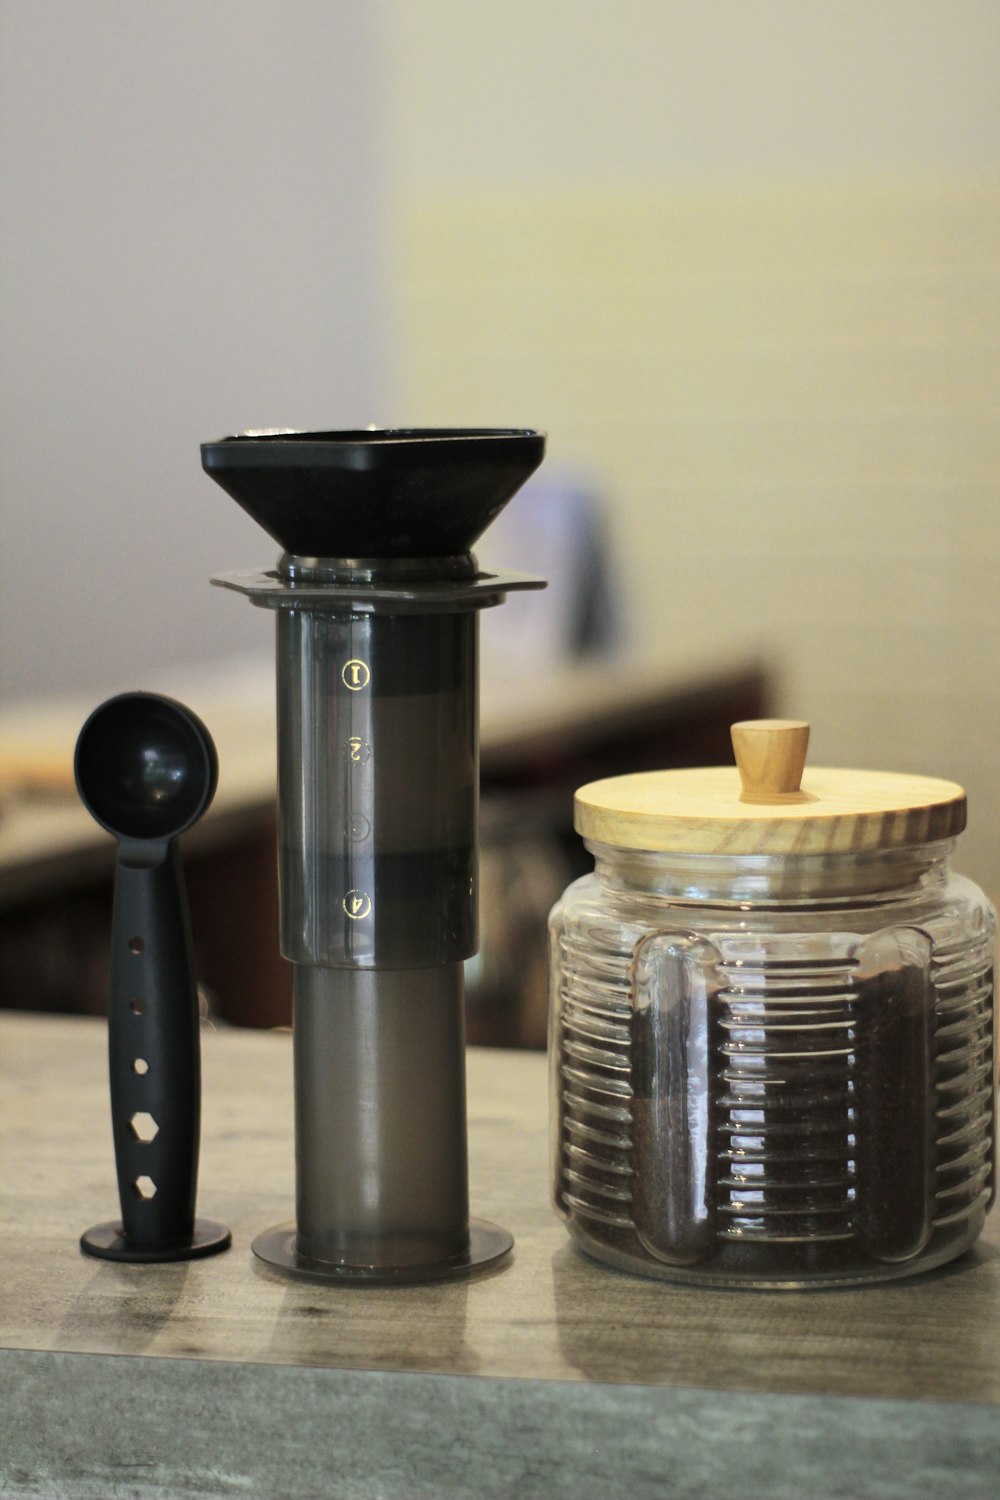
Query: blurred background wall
[
  {"x": 191, "y": 243},
  {"x": 741, "y": 261}
]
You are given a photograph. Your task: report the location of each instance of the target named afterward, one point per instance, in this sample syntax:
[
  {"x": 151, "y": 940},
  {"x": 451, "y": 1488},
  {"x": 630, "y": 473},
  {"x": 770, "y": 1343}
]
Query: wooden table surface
[{"x": 583, "y": 1381}]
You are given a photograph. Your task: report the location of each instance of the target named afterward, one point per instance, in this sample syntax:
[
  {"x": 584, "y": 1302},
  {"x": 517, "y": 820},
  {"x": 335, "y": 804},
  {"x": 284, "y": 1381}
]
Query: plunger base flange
[
  {"x": 489, "y": 1245},
  {"x": 108, "y": 1242}
]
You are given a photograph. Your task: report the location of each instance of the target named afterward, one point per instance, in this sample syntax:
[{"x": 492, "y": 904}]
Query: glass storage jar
[{"x": 771, "y": 1028}]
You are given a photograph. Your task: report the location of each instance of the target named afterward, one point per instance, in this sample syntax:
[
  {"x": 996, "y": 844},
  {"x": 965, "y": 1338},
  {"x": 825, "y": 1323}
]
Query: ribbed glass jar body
[{"x": 773, "y": 1070}]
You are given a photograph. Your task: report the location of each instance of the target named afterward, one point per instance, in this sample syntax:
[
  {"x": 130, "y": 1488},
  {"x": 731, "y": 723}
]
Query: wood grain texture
[
  {"x": 701, "y": 811},
  {"x": 551, "y": 1316}
]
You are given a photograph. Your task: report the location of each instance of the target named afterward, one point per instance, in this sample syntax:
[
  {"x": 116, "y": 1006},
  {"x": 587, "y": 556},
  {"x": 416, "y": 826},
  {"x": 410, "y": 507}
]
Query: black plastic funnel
[{"x": 388, "y": 493}]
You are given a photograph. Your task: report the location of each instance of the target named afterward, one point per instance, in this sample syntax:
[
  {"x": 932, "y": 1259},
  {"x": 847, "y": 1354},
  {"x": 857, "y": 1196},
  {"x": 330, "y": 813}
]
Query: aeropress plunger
[{"x": 376, "y": 600}]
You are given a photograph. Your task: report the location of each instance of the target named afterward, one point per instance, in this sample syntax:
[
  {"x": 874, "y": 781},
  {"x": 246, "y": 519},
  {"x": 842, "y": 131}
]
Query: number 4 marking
[{"x": 357, "y": 904}]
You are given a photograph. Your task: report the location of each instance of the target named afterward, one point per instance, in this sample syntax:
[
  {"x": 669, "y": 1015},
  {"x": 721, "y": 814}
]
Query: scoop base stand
[{"x": 109, "y": 1242}]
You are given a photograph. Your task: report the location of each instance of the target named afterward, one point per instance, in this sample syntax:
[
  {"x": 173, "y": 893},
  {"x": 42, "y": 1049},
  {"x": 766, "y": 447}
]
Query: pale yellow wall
[{"x": 768, "y": 320}]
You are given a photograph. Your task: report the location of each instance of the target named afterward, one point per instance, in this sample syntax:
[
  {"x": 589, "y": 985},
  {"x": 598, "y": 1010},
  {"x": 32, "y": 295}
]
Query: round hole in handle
[
  {"x": 137, "y": 1006},
  {"x": 136, "y": 945},
  {"x": 140, "y": 1066}
]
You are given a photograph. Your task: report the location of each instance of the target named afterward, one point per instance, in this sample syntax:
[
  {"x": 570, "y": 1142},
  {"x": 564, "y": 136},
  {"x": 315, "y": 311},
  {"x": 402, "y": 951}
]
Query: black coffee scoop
[{"x": 146, "y": 769}]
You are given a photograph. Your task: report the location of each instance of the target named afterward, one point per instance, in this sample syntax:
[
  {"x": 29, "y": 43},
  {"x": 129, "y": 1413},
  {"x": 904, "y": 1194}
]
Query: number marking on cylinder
[
  {"x": 355, "y": 675},
  {"x": 357, "y": 904},
  {"x": 359, "y": 750}
]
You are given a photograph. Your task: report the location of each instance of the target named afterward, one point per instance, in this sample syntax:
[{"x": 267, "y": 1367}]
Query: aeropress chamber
[{"x": 376, "y": 598}]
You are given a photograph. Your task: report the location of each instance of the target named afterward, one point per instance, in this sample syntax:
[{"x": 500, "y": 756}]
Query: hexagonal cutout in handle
[{"x": 143, "y": 1127}]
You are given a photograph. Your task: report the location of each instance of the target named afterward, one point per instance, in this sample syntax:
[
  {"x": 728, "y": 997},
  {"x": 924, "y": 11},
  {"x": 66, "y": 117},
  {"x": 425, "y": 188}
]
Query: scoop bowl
[{"x": 145, "y": 766}]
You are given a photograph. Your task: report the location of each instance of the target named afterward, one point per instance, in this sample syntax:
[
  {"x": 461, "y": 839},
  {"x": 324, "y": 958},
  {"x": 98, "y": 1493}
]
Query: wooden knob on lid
[{"x": 770, "y": 757}]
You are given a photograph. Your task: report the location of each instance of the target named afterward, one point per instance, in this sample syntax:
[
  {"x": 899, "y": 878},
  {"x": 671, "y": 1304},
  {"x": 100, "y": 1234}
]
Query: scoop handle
[{"x": 153, "y": 1046}]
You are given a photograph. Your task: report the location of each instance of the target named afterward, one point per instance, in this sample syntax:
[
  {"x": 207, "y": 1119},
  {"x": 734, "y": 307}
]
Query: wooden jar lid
[{"x": 766, "y": 805}]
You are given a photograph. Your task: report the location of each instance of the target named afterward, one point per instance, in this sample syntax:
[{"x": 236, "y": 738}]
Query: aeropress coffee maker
[{"x": 376, "y": 599}]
